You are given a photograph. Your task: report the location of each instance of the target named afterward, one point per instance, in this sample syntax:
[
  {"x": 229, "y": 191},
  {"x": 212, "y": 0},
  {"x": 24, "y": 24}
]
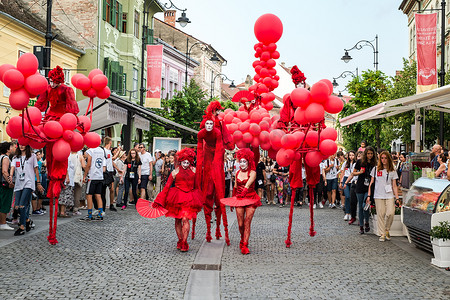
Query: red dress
[
  {"x": 250, "y": 199},
  {"x": 184, "y": 200}
]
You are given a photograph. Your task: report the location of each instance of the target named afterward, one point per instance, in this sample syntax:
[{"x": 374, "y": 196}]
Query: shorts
[
  {"x": 6, "y": 197},
  {"x": 144, "y": 181},
  {"x": 332, "y": 184},
  {"x": 94, "y": 187},
  {"x": 259, "y": 183}
]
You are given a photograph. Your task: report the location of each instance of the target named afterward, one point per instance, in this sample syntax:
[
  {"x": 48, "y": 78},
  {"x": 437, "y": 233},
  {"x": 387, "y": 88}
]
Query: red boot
[
  {"x": 218, "y": 234},
  {"x": 241, "y": 243},
  {"x": 244, "y": 249},
  {"x": 179, "y": 243},
  {"x": 184, "y": 247}
]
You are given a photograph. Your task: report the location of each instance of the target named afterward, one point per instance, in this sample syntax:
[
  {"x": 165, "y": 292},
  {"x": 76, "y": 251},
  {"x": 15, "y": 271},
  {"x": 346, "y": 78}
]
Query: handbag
[{"x": 273, "y": 178}]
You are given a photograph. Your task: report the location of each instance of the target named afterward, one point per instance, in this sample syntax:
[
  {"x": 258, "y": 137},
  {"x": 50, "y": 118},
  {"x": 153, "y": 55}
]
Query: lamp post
[
  {"x": 183, "y": 20},
  {"x": 343, "y": 75},
  {"x": 213, "y": 59},
  {"x": 224, "y": 77},
  {"x": 358, "y": 46}
]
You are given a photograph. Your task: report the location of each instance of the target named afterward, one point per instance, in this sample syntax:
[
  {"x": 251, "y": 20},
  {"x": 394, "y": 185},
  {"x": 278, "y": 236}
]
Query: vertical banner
[
  {"x": 426, "y": 29},
  {"x": 154, "y": 76}
]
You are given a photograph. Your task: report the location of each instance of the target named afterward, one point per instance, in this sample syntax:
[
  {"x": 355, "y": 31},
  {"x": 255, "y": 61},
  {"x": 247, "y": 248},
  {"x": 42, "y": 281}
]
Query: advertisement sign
[
  {"x": 154, "y": 76},
  {"x": 426, "y": 52},
  {"x": 166, "y": 144}
]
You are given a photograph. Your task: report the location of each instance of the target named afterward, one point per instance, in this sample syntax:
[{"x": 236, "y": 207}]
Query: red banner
[
  {"x": 426, "y": 51},
  {"x": 154, "y": 76}
]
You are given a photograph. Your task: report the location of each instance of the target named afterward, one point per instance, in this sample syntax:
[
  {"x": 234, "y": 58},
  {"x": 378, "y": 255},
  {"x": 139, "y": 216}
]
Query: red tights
[
  {"x": 244, "y": 217},
  {"x": 182, "y": 227}
]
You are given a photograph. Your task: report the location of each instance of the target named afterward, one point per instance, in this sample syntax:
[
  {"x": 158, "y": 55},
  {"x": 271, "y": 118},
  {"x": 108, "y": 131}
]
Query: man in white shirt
[
  {"x": 109, "y": 174},
  {"x": 93, "y": 175},
  {"x": 146, "y": 170}
]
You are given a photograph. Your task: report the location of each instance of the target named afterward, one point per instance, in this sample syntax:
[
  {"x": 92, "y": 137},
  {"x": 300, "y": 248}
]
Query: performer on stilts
[
  {"x": 244, "y": 199},
  {"x": 210, "y": 174},
  {"x": 57, "y": 100},
  {"x": 184, "y": 200}
]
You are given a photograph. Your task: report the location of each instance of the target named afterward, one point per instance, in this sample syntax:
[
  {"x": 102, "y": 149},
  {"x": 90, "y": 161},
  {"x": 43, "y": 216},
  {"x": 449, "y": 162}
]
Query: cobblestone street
[{"x": 129, "y": 257}]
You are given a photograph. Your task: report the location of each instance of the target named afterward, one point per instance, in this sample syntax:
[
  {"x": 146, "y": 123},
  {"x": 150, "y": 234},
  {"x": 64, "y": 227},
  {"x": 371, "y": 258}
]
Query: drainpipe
[{"x": 99, "y": 29}]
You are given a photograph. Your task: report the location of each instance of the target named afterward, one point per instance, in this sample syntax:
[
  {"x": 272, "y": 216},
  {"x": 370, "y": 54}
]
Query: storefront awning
[
  {"x": 114, "y": 110},
  {"x": 437, "y": 99}
]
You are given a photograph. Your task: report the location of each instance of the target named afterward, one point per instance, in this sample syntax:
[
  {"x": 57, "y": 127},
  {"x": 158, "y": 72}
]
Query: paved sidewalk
[{"x": 129, "y": 257}]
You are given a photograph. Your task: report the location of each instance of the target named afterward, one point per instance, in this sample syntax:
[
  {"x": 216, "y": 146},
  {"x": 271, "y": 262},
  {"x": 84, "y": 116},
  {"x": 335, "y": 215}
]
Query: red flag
[{"x": 426, "y": 52}]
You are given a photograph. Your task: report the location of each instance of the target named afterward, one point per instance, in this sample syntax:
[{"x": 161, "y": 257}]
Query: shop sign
[
  {"x": 141, "y": 123},
  {"x": 426, "y": 51},
  {"x": 117, "y": 114}
]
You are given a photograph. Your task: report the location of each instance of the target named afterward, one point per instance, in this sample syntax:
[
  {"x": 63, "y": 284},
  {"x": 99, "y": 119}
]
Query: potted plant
[
  {"x": 397, "y": 227},
  {"x": 440, "y": 239}
]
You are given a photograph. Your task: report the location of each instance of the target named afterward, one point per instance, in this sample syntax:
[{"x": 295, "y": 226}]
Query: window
[
  {"x": 135, "y": 83},
  {"x": 163, "y": 88},
  {"x": 124, "y": 22},
  {"x": 136, "y": 24},
  {"x": 20, "y": 53},
  {"x": 66, "y": 76},
  {"x": 107, "y": 11},
  {"x": 116, "y": 78},
  {"x": 112, "y": 13}
]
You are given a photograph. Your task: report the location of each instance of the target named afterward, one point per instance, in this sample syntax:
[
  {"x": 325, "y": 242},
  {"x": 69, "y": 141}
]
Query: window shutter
[
  {"x": 149, "y": 36},
  {"x": 113, "y": 12},
  {"x": 119, "y": 27},
  {"x": 107, "y": 70},
  {"x": 104, "y": 10},
  {"x": 120, "y": 88}
]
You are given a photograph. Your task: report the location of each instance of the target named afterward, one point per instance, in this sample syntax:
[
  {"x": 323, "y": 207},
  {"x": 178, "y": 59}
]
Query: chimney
[{"x": 169, "y": 17}]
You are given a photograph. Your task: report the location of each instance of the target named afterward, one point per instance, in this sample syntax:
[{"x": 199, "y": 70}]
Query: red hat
[
  {"x": 185, "y": 154},
  {"x": 214, "y": 106},
  {"x": 208, "y": 116},
  {"x": 56, "y": 75},
  {"x": 247, "y": 154}
]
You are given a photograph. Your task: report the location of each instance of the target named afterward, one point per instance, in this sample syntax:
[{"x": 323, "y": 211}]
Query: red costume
[
  {"x": 184, "y": 200},
  {"x": 211, "y": 176},
  {"x": 56, "y": 102},
  {"x": 242, "y": 197}
]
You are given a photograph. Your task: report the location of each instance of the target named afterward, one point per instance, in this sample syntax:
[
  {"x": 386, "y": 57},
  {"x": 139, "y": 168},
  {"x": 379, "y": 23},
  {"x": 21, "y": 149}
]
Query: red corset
[{"x": 185, "y": 180}]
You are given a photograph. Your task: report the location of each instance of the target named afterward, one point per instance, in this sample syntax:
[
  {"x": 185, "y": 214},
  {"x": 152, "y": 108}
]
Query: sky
[{"x": 315, "y": 34}]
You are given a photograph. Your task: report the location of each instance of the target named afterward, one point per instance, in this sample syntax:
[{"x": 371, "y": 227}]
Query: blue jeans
[
  {"x": 23, "y": 200},
  {"x": 347, "y": 195},
  {"x": 133, "y": 182},
  {"x": 363, "y": 215}
]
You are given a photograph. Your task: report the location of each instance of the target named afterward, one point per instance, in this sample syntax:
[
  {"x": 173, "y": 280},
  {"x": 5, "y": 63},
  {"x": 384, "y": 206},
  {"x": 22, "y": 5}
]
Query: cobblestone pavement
[{"x": 129, "y": 257}]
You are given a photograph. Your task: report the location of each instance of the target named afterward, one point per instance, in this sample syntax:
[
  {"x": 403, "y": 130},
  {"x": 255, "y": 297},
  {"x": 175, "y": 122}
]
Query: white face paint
[
  {"x": 243, "y": 164},
  {"x": 185, "y": 164},
  {"x": 209, "y": 125}
]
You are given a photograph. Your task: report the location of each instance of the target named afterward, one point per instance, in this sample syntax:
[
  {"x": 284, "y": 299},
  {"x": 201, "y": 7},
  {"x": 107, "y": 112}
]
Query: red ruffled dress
[
  {"x": 250, "y": 199},
  {"x": 184, "y": 200}
]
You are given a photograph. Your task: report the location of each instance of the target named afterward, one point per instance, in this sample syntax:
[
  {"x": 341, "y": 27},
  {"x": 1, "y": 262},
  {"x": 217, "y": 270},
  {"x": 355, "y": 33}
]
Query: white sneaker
[
  {"x": 320, "y": 205},
  {"x": 5, "y": 227},
  {"x": 333, "y": 205},
  {"x": 314, "y": 206},
  {"x": 95, "y": 212},
  {"x": 346, "y": 217},
  {"x": 329, "y": 205}
]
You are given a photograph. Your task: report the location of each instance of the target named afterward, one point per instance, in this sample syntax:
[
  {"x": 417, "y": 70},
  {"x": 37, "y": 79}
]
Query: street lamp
[
  {"x": 346, "y": 58},
  {"x": 224, "y": 77},
  {"x": 183, "y": 20},
  {"x": 343, "y": 75},
  {"x": 214, "y": 59}
]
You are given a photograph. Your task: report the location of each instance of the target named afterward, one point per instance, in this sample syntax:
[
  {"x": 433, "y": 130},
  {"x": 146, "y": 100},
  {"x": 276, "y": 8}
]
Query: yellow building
[{"x": 18, "y": 37}]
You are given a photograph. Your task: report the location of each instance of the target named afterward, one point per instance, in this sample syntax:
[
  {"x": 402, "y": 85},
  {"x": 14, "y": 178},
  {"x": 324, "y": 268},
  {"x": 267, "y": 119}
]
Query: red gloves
[
  {"x": 242, "y": 193},
  {"x": 156, "y": 205}
]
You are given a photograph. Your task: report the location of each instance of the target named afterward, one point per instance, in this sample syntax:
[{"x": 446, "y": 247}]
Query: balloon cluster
[
  {"x": 268, "y": 30},
  {"x": 94, "y": 85},
  {"x": 24, "y": 80}
]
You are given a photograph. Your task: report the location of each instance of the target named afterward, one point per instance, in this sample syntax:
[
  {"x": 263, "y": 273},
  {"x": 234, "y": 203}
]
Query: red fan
[
  {"x": 145, "y": 209},
  {"x": 233, "y": 201},
  {"x": 243, "y": 94}
]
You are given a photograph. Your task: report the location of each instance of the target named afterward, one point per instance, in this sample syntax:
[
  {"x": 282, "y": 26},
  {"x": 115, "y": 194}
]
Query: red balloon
[
  {"x": 271, "y": 63},
  {"x": 19, "y": 99},
  {"x": 86, "y": 122},
  {"x": 319, "y": 92},
  {"x": 75, "y": 78},
  {"x": 328, "y": 147},
  {"x": 265, "y": 56},
  {"x": 244, "y": 126},
  {"x": 254, "y": 129},
  {"x": 268, "y": 29},
  {"x": 275, "y": 55},
  {"x": 94, "y": 73},
  {"x": 299, "y": 116},
  {"x": 53, "y": 129},
  {"x": 243, "y": 115},
  {"x": 267, "y": 81},
  {"x": 255, "y": 63},
  {"x": 92, "y": 140},
  {"x": 236, "y": 121},
  {"x": 61, "y": 150},
  {"x": 27, "y": 64},
  {"x": 264, "y": 125},
  {"x": 36, "y": 144},
  {"x": 334, "y": 105},
  {"x": 99, "y": 82},
  {"x": 237, "y": 136},
  {"x": 299, "y": 138},
  {"x": 272, "y": 153},
  {"x": 315, "y": 113},
  {"x": 275, "y": 138},
  {"x": 328, "y": 134},
  {"x": 274, "y": 84},
  {"x": 247, "y": 137},
  {"x": 288, "y": 141},
  {"x": 68, "y": 121},
  {"x": 329, "y": 85},
  {"x": 241, "y": 144},
  {"x": 105, "y": 93},
  {"x": 35, "y": 115},
  {"x": 232, "y": 127},
  {"x": 84, "y": 93},
  {"x": 4, "y": 68},
  {"x": 255, "y": 117},
  {"x": 258, "y": 70},
  {"x": 285, "y": 157},
  {"x": 83, "y": 83},
  {"x": 68, "y": 135},
  {"x": 15, "y": 126},
  {"x": 77, "y": 142},
  {"x": 272, "y": 47},
  {"x": 312, "y": 138},
  {"x": 92, "y": 93},
  {"x": 265, "y": 146},
  {"x": 268, "y": 106},
  {"x": 313, "y": 158},
  {"x": 264, "y": 73},
  {"x": 255, "y": 142},
  {"x": 24, "y": 141},
  {"x": 300, "y": 97},
  {"x": 13, "y": 79},
  {"x": 36, "y": 84},
  {"x": 264, "y": 137}
]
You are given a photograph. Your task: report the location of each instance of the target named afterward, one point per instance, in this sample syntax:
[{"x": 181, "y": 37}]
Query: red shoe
[
  {"x": 218, "y": 234},
  {"x": 241, "y": 244},
  {"x": 244, "y": 249},
  {"x": 179, "y": 244},
  {"x": 184, "y": 247},
  {"x": 208, "y": 237},
  {"x": 352, "y": 220}
]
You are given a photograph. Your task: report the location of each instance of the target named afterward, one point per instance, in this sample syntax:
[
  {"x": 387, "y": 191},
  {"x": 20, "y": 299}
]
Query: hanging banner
[
  {"x": 154, "y": 76},
  {"x": 426, "y": 29}
]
